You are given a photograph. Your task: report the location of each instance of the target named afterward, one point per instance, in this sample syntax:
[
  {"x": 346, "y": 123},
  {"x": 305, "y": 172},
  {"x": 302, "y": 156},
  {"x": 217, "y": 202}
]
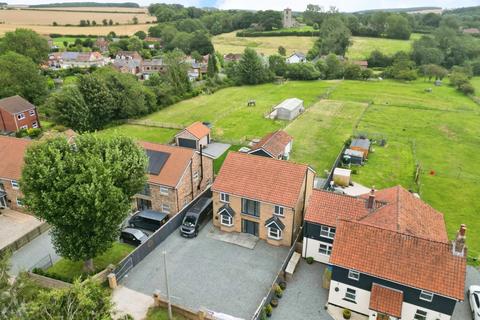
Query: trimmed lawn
[
  {"x": 161, "y": 314},
  {"x": 68, "y": 269},
  {"x": 362, "y": 46},
  {"x": 321, "y": 131},
  {"x": 476, "y": 84},
  {"x": 143, "y": 133},
  {"x": 59, "y": 41},
  {"x": 227, "y": 109}
]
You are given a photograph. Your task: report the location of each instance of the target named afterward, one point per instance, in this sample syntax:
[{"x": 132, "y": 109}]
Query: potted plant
[
  {"x": 278, "y": 291},
  {"x": 309, "y": 260},
  {"x": 268, "y": 310},
  {"x": 274, "y": 302},
  {"x": 347, "y": 314},
  {"x": 283, "y": 285}
]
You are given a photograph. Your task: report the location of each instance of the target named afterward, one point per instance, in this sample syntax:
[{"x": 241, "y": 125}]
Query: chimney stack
[
  {"x": 459, "y": 242},
  {"x": 371, "y": 199}
]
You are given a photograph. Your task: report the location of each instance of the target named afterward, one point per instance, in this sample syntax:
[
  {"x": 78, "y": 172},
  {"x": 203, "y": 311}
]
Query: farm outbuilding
[
  {"x": 341, "y": 177},
  {"x": 353, "y": 157},
  {"x": 362, "y": 145},
  {"x": 289, "y": 109}
]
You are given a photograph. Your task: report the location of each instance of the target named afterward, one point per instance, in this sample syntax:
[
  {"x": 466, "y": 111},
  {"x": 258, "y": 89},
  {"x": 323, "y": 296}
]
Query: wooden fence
[{"x": 150, "y": 123}]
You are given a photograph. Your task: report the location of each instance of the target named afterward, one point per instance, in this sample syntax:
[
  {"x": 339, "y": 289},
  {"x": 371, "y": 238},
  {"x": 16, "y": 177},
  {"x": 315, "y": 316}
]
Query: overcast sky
[{"x": 298, "y": 5}]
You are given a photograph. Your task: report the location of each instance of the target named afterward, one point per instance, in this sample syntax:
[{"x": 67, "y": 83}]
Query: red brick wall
[
  {"x": 8, "y": 123},
  {"x": 12, "y": 195}
]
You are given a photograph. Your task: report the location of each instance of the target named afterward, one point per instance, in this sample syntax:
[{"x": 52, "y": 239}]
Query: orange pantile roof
[
  {"x": 386, "y": 300},
  {"x": 407, "y": 214},
  {"x": 327, "y": 208},
  {"x": 175, "y": 165},
  {"x": 198, "y": 129},
  {"x": 12, "y": 151},
  {"x": 261, "y": 178},
  {"x": 395, "y": 209},
  {"x": 409, "y": 260},
  {"x": 274, "y": 143}
]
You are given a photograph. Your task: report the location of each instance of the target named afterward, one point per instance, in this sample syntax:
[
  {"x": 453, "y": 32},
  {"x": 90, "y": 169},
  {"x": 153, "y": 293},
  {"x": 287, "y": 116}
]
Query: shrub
[
  {"x": 268, "y": 310},
  {"x": 309, "y": 260},
  {"x": 466, "y": 88},
  {"x": 283, "y": 285},
  {"x": 347, "y": 314},
  {"x": 278, "y": 291},
  {"x": 34, "y": 132},
  {"x": 274, "y": 302}
]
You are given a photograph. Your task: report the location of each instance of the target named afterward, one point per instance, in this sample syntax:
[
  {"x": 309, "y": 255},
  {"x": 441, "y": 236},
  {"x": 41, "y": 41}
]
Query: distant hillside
[
  {"x": 412, "y": 10},
  {"x": 87, "y": 4},
  {"x": 469, "y": 11}
]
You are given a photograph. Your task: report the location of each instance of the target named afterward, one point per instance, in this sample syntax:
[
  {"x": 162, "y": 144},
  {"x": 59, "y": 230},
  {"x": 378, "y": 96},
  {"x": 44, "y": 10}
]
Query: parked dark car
[
  {"x": 195, "y": 216},
  {"x": 148, "y": 220},
  {"x": 133, "y": 236}
]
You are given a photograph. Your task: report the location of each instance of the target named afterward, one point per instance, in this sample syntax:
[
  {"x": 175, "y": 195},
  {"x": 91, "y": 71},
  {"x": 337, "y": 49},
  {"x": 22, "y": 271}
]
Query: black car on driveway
[
  {"x": 133, "y": 236},
  {"x": 195, "y": 216},
  {"x": 148, "y": 220}
]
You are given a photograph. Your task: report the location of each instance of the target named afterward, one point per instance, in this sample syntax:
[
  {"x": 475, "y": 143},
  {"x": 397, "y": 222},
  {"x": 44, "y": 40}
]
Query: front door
[{"x": 250, "y": 227}]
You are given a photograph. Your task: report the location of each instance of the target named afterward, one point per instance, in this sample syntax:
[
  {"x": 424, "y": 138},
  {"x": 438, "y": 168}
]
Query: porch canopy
[{"x": 386, "y": 300}]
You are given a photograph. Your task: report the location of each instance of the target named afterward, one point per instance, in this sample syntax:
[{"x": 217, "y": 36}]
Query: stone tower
[{"x": 287, "y": 18}]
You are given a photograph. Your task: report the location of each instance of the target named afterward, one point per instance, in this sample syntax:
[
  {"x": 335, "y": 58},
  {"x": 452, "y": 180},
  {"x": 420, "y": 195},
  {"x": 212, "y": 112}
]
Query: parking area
[
  {"x": 14, "y": 225},
  {"x": 462, "y": 309},
  {"x": 304, "y": 297},
  {"x": 207, "y": 273}
]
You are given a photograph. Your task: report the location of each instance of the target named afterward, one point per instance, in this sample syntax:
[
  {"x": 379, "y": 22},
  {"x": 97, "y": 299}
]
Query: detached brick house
[
  {"x": 261, "y": 196},
  {"x": 175, "y": 177},
  {"x": 389, "y": 254},
  {"x": 16, "y": 114},
  {"x": 277, "y": 145},
  {"x": 12, "y": 151}
]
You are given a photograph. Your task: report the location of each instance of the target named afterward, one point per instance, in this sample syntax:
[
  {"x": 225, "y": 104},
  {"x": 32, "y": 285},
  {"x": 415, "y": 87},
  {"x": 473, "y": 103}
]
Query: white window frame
[
  {"x": 326, "y": 232},
  {"x": 325, "y": 249},
  {"x": 164, "y": 191},
  {"x": 227, "y": 218},
  {"x": 351, "y": 296},
  {"x": 224, "y": 197},
  {"x": 31, "y": 112},
  {"x": 35, "y": 124},
  {"x": 354, "y": 275},
  {"x": 15, "y": 185},
  {"x": 195, "y": 176},
  {"x": 426, "y": 296},
  {"x": 420, "y": 315},
  {"x": 24, "y": 127},
  {"x": 279, "y": 211},
  {"x": 277, "y": 233},
  {"x": 19, "y": 202},
  {"x": 20, "y": 116},
  {"x": 165, "y": 208}
]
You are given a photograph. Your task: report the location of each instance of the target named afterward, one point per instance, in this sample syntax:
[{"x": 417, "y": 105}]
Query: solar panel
[{"x": 156, "y": 161}]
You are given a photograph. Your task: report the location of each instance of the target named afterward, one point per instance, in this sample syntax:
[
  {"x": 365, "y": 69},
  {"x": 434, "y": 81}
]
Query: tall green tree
[
  {"x": 212, "y": 66},
  {"x": 277, "y": 65},
  {"x": 19, "y": 75},
  {"x": 250, "y": 69},
  {"x": 176, "y": 75},
  {"x": 25, "y": 42},
  {"x": 334, "y": 37},
  {"x": 83, "y": 190},
  {"x": 398, "y": 27}
]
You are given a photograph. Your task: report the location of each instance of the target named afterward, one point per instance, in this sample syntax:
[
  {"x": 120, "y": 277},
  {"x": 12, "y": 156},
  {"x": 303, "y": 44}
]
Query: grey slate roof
[
  {"x": 15, "y": 104},
  {"x": 226, "y": 209},
  {"x": 275, "y": 221},
  {"x": 362, "y": 143}
]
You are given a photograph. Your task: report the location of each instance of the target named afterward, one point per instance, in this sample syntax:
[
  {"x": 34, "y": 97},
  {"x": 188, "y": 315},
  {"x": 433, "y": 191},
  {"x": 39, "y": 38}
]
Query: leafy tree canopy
[{"x": 26, "y": 42}]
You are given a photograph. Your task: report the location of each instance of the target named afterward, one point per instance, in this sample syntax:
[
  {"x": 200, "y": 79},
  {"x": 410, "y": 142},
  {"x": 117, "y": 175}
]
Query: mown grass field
[
  {"x": 121, "y": 30},
  {"x": 438, "y": 130},
  {"x": 151, "y": 134},
  {"x": 360, "y": 48}
]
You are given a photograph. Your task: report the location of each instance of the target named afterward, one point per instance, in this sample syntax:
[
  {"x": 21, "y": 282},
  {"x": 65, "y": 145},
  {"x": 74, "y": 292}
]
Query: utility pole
[{"x": 166, "y": 282}]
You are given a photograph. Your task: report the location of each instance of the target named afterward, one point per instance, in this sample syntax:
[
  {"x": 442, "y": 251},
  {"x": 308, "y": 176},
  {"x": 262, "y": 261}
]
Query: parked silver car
[{"x": 474, "y": 298}]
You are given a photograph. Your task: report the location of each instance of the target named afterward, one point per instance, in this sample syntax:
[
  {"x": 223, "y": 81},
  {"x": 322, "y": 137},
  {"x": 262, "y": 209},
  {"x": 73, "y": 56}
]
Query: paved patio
[
  {"x": 14, "y": 225},
  {"x": 304, "y": 298},
  {"x": 208, "y": 273}
]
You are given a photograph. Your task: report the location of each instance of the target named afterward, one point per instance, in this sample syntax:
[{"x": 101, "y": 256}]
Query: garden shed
[
  {"x": 289, "y": 109},
  {"x": 195, "y": 135},
  {"x": 362, "y": 145},
  {"x": 353, "y": 156}
]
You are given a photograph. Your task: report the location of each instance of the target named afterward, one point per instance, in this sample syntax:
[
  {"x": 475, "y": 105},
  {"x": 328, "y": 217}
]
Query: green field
[
  {"x": 360, "y": 48},
  {"x": 476, "y": 83},
  {"x": 437, "y": 130},
  {"x": 151, "y": 134},
  {"x": 71, "y": 40}
]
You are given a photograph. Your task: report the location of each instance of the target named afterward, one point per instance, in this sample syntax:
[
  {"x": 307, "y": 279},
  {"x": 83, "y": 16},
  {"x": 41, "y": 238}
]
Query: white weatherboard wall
[
  {"x": 408, "y": 312},
  {"x": 362, "y": 298},
  {"x": 310, "y": 249}
]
